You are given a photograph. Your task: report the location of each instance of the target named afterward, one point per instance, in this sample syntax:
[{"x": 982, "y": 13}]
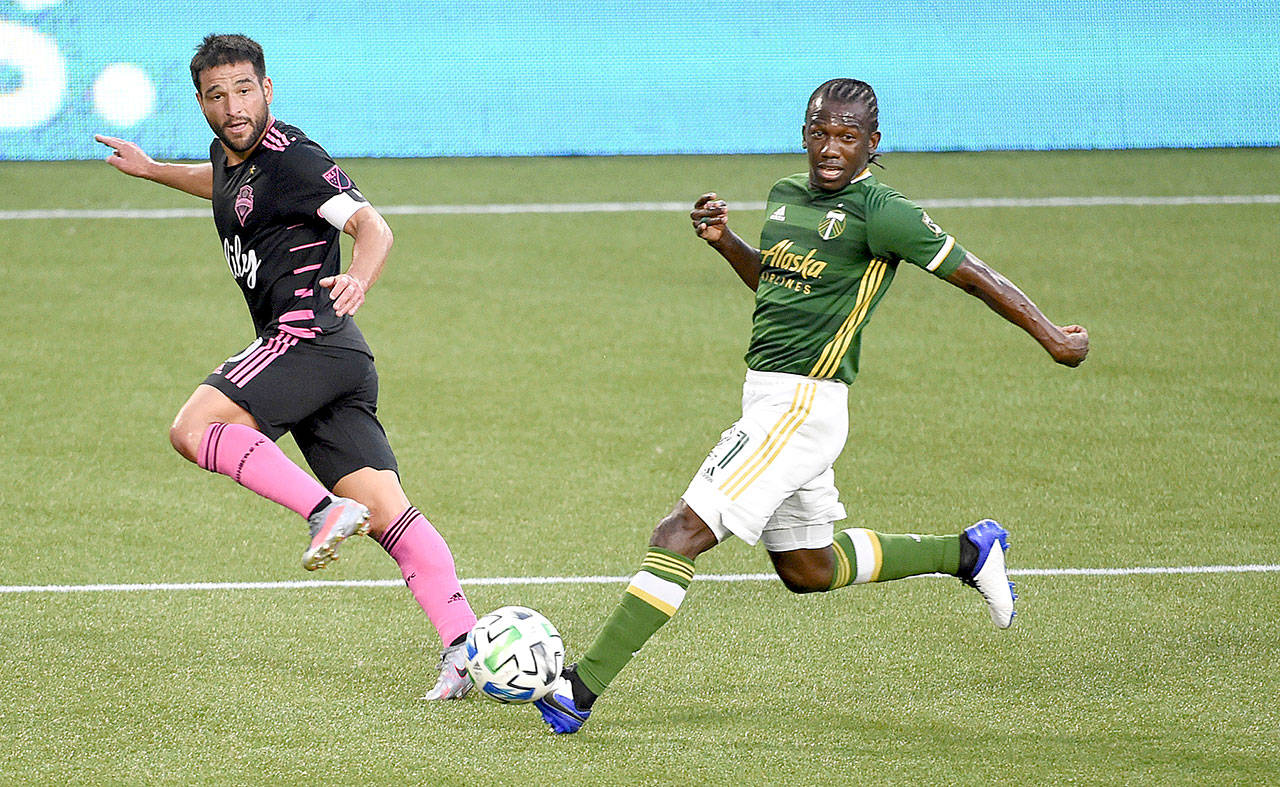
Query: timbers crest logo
[
  {"x": 831, "y": 225},
  {"x": 244, "y": 203}
]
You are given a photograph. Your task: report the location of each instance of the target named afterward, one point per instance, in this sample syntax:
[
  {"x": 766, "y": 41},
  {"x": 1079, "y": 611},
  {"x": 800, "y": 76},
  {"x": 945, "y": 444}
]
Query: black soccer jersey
[{"x": 279, "y": 215}]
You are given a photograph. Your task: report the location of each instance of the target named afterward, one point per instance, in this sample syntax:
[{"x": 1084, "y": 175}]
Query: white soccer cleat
[
  {"x": 454, "y": 681},
  {"x": 990, "y": 576},
  {"x": 330, "y": 526}
]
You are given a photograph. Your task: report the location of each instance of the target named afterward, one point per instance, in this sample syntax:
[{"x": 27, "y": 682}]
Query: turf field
[{"x": 551, "y": 381}]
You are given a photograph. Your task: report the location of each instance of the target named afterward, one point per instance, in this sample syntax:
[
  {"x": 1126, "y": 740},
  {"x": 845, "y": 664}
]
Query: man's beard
[{"x": 259, "y": 126}]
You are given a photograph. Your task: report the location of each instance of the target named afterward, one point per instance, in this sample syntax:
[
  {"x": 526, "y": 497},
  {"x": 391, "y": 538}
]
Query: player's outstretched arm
[
  {"x": 369, "y": 252},
  {"x": 710, "y": 216},
  {"x": 196, "y": 179},
  {"x": 1067, "y": 344}
]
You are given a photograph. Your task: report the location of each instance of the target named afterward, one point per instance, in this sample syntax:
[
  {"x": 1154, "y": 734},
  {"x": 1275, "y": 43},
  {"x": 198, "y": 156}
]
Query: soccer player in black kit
[{"x": 279, "y": 204}]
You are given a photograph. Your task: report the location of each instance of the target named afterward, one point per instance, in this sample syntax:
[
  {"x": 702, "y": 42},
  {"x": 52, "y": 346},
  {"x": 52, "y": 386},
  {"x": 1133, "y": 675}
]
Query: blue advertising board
[{"x": 398, "y": 78}]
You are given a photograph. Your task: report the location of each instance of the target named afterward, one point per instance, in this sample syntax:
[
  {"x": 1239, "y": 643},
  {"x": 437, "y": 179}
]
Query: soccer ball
[{"x": 514, "y": 655}]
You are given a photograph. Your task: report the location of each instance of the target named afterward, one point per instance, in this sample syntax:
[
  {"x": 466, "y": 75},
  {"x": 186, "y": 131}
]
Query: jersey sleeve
[
  {"x": 319, "y": 186},
  {"x": 899, "y": 229}
]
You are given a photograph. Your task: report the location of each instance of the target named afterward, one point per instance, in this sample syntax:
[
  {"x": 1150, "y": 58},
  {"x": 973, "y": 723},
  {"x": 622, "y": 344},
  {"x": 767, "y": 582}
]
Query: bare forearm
[
  {"x": 1011, "y": 303},
  {"x": 742, "y": 257},
  {"x": 372, "y": 244},
  {"x": 373, "y": 241},
  {"x": 369, "y": 255},
  {"x": 195, "y": 179},
  {"x": 1067, "y": 345}
]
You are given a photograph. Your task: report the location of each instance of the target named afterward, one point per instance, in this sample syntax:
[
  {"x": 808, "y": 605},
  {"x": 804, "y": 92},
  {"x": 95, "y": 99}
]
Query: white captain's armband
[{"x": 339, "y": 208}]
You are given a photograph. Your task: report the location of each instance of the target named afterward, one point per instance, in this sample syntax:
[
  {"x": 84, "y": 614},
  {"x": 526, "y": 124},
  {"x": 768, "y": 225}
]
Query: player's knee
[
  {"x": 184, "y": 439},
  {"x": 681, "y": 531},
  {"x": 799, "y": 580},
  {"x": 377, "y": 490},
  {"x": 382, "y": 512}
]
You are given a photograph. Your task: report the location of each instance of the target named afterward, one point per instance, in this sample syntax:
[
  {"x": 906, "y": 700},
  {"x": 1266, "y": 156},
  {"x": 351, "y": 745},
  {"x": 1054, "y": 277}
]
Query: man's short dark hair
[{"x": 223, "y": 50}]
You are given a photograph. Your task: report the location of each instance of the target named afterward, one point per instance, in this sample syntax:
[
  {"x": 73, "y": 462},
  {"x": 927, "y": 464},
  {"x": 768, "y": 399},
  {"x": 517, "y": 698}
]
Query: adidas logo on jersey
[{"x": 780, "y": 214}]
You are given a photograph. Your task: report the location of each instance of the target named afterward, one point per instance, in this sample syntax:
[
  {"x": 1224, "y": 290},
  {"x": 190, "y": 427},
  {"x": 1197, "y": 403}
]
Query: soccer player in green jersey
[{"x": 831, "y": 244}]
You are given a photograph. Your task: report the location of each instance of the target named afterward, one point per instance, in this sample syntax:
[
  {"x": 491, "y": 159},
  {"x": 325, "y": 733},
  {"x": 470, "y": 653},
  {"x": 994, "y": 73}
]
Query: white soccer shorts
[{"x": 770, "y": 478}]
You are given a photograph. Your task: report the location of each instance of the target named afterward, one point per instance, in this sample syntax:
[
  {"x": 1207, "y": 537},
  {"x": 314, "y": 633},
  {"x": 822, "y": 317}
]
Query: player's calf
[{"x": 804, "y": 570}]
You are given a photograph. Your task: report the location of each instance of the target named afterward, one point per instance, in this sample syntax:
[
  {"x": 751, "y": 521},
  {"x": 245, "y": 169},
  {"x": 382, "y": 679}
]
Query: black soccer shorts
[{"x": 325, "y": 395}]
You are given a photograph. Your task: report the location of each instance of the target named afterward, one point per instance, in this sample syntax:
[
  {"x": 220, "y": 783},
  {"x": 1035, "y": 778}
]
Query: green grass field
[{"x": 550, "y": 383}]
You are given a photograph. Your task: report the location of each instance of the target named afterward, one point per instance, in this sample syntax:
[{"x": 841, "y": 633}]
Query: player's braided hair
[
  {"x": 852, "y": 91},
  {"x": 223, "y": 50}
]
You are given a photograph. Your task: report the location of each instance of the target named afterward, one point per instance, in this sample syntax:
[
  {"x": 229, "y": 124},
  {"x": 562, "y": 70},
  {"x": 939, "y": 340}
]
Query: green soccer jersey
[{"x": 828, "y": 258}]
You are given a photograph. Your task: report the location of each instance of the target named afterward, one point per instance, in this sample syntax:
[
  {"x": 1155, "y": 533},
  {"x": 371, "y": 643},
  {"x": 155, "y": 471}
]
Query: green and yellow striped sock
[
  {"x": 654, "y": 595},
  {"x": 863, "y": 555}
]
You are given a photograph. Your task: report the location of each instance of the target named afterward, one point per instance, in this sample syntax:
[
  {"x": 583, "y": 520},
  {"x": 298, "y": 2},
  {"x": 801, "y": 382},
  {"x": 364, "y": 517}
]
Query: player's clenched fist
[
  {"x": 1074, "y": 347},
  {"x": 710, "y": 216}
]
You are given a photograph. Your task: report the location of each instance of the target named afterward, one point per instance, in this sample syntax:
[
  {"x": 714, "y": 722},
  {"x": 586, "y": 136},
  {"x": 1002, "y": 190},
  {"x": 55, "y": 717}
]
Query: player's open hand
[
  {"x": 346, "y": 292},
  {"x": 710, "y": 216},
  {"x": 126, "y": 156},
  {"x": 1074, "y": 346}
]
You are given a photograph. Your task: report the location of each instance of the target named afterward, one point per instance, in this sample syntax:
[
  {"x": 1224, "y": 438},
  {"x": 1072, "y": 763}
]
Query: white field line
[
  {"x": 638, "y": 207},
  {"x": 592, "y": 580}
]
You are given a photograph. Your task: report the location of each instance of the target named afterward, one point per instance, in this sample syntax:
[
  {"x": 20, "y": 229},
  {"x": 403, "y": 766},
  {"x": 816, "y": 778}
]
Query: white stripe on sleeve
[{"x": 941, "y": 255}]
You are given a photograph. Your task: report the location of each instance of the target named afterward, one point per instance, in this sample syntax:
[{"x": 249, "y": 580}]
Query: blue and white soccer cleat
[
  {"x": 558, "y": 708},
  {"x": 990, "y": 577},
  {"x": 330, "y": 526}
]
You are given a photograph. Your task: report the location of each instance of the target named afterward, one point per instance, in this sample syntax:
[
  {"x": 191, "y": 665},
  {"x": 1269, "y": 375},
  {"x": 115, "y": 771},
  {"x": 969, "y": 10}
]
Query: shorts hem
[
  {"x": 712, "y": 512},
  {"x": 809, "y": 541},
  {"x": 239, "y": 399}
]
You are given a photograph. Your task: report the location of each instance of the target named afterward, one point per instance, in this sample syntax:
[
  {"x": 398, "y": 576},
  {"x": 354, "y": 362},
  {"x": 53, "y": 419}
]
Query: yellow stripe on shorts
[
  {"x": 795, "y": 398},
  {"x": 773, "y": 446}
]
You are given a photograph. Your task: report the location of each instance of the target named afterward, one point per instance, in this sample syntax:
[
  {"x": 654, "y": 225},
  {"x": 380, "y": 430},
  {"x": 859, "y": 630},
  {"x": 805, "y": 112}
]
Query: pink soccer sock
[
  {"x": 427, "y": 565},
  {"x": 254, "y": 462}
]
